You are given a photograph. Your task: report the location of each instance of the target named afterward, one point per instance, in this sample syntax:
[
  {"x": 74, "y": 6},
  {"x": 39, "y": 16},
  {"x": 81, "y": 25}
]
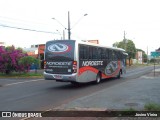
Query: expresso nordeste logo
[{"x": 58, "y": 48}]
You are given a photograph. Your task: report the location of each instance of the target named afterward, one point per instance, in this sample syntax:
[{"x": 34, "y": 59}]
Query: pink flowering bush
[{"x": 9, "y": 58}]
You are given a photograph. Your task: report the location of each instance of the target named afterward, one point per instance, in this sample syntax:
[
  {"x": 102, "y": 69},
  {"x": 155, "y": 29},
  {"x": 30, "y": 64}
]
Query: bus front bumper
[{"x": 60, "y": 77}]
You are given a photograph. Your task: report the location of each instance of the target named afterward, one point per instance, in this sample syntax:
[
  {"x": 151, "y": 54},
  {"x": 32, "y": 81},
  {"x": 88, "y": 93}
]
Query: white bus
[{"x": 80, "y": 62}]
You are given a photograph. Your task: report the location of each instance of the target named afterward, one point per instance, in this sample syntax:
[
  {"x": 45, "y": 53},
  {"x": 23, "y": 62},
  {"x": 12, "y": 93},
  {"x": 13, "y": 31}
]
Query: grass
[
  {"x": 152, "y": 107},
  {"x": 130, "y": 109},
  {"x": 147, "y": 107},
  {"x": 21, "y": 75}
]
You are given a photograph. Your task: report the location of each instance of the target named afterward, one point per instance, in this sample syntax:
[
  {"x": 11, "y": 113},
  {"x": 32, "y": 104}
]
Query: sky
[{"x": 106, "y": 21}]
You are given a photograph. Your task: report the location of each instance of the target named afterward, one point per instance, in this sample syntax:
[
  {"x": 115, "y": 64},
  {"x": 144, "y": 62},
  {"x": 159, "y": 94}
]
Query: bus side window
[
  {"x": 110, "y": 54},
  {"x": 90, "y": 52},
  {"x": 83, "y": 52},
  {"x": 94, "y": 53},
  {"x": 107, "y": 54},
  {"x": 99, "y": 53},
  {"x": 115, "y": 55},
  {"x": 118, "y": 55},
  {"x": 103, "y": 53},
  {"x": 121, "y": 56}
]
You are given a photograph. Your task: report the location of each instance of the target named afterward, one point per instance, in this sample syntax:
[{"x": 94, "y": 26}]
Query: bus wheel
[
  {"x": 98, "y": 78},
  {"x": 119, "y": 75}
]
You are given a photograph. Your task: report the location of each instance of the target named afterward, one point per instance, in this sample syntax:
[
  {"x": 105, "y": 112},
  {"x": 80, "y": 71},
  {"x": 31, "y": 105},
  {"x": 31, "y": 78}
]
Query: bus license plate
[{"x": 57, "y": 76}]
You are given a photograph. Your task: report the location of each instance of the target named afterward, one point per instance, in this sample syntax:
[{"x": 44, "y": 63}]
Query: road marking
[{"x": 23, "y": 82}]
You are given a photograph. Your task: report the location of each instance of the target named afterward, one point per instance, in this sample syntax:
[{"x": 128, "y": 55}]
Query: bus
[{"x": 81, "y": 62}]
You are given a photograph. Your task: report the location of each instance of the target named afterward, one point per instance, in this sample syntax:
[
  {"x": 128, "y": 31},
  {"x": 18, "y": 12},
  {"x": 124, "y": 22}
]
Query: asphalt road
[{"x": 38, "y": 94}]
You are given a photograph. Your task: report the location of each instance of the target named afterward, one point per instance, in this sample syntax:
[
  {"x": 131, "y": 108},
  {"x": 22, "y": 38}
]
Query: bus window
[
  {"x": 83, "y": 52},
  {"x": 110, "y": 54},
  {"x": 99, "y": 53},
  {"x": 107, "y": 54},
  {"x": 103, "y": 53},
  {"x": 115, "y": 57},
  {"x": 90, "y": 52},
  {"x": 94, "y": 53},
  {"x": 119, "y": 55}
]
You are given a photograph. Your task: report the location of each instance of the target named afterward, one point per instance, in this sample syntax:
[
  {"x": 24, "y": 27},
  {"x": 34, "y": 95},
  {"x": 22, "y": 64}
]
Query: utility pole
[
  {"x": 147, "y": 55},
  {"x": 69, "y": 28},
  {"x": 125, "y": 41},
  {"x": 125, "y": 45},
  {"x": 63, "y": 35}
]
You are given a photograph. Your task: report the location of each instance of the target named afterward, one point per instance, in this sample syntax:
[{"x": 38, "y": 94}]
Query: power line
[
  {"x": 5, "y": 20},
  {"x": 13, "y": 20},
  {"x": 27, "y": 29}
]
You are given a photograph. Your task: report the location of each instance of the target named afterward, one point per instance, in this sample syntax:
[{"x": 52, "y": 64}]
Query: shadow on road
[{"x": 69, "y": 86}]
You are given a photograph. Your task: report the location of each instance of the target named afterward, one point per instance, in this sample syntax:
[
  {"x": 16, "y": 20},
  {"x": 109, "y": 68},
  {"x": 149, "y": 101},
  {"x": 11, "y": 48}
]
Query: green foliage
[
  {"x": 115, "y": 44},
  {"x": 128, "y": 112},
  {"x": 28, "y": 61},
  {"x": 152, "y": 60},
  {"x": 129, "y": 46},
  {"x": 155, "y": 60},
  {"x": 130, "y": 109},
  {"x": 152, "y": 107}
]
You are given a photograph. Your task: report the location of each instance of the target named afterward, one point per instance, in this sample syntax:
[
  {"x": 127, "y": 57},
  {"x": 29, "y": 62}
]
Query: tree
[
  {"x": 128, "y": 45},
  {"x": 27, "y": 61}
]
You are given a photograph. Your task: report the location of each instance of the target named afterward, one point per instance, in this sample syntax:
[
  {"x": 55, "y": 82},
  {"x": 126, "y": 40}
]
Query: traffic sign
[{"x": 155, "y": 54}]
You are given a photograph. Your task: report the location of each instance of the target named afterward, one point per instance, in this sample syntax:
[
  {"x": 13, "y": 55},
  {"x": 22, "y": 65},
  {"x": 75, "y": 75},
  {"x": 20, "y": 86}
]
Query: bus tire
[
  {"x": 98, "y": 78},
  {"x": 119, "y": 75}
]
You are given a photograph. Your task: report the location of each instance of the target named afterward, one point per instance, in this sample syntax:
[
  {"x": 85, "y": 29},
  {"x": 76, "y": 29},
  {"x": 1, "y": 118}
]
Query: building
[
  {"x": 2, "y": 43},
  {"x": 92, "y": 41},
  {"x": 139, "y": 57}
]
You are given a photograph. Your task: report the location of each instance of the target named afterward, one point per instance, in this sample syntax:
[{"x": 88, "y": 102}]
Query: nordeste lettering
[{"x": 92, "y": 63}]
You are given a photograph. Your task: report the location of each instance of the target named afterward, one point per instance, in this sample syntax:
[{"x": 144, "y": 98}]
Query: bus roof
[{"x": 93, "y": 44}]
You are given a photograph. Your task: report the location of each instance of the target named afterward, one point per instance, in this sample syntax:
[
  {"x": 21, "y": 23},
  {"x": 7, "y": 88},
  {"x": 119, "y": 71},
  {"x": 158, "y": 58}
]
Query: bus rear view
[{"x": 59, "y": 61}]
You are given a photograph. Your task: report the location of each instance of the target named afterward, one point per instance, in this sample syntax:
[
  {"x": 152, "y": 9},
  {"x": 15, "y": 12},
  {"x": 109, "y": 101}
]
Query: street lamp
[{"x": 69, "y": 25}]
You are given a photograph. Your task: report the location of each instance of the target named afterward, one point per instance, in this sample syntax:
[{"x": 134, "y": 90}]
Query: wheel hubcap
[{"x": 98, "y": 79}]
